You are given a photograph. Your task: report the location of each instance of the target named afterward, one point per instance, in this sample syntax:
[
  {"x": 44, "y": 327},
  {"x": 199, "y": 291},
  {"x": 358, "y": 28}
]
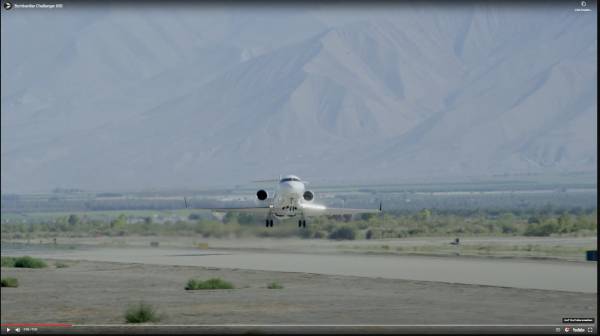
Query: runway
[{"x": 517, "y": 273}]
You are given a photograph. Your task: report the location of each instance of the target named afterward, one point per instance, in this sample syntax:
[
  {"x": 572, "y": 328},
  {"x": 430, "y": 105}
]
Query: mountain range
[{"x": 117, "y": 98}]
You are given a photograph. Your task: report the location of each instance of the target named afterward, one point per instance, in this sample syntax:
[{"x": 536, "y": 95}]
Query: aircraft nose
[
  {"x": 292, "y": 187},
  {"x": 287, "y": 187}
]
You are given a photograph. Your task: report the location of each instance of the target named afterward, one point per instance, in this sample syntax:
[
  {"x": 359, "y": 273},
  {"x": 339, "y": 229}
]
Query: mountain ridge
[{"x": 389, "y": 95}]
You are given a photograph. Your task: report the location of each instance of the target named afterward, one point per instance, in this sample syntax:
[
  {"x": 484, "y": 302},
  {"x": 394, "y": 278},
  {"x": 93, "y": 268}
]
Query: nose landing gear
[
  {"x": 268, "y": 223},
  {"x": 302, "y": 223}
]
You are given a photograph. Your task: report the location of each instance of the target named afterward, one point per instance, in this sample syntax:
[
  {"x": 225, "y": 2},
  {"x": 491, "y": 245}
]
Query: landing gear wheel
[
  {"x": 271, "y": 223},
  {"x": 303, "y": 223},
  {"x": 267, "y": 223},
  {"x": 300, "y": 223}
]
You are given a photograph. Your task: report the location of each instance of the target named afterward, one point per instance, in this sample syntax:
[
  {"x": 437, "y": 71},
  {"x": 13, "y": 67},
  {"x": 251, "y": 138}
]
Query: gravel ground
[{"x": 99, "y": 292}]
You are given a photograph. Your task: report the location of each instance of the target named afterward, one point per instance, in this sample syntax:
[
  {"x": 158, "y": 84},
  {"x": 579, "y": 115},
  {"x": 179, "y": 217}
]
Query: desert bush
[
  {"x": 320, "y": 235},
  {"x": 8, "y": 262},
  {"x": 216, "y": 229},
  {"x": 542, "y": 229},
  {"x": 73, "y": 220},
  {"x": 343, "y": 233},
  {"x": 214, "y": 283},
  {"x": 23, "y": 262},
  {"x": 194, "y": 216},
  {"x": 392, "y": 224},
  {"x": 140, "y": 313},
  {"x": 275, "y": 285},
  {"x": 509, "y": 228},
  {"x": 10, "y": 282}
]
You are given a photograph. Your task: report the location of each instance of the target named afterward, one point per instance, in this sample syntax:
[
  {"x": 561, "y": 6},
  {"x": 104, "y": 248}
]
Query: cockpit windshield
[{"x": 290, "y": 178}]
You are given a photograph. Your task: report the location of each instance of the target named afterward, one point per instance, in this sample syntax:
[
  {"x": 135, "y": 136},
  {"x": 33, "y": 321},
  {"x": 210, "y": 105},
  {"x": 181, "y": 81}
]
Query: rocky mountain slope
[{"x": 197, "y": 97}]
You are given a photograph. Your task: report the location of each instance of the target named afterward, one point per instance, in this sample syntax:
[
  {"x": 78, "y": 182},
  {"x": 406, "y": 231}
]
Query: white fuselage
[{"x": 288, "y": 197}]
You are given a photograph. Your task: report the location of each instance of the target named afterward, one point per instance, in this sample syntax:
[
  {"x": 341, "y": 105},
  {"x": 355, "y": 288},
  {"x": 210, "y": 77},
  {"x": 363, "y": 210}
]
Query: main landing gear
[
  {"x": 302, "y": 223},
  {"x": 268, "y": 222}
]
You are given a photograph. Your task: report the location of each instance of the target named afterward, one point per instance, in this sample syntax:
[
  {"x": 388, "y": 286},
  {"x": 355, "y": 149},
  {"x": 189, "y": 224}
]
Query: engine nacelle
[
  {"x": 308, "y": 195},
  {"x": 262, "y": 195}
]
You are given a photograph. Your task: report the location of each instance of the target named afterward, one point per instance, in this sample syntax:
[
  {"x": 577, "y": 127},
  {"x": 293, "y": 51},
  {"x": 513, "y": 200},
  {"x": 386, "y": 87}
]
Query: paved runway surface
[{"x": 550, "y": 275}]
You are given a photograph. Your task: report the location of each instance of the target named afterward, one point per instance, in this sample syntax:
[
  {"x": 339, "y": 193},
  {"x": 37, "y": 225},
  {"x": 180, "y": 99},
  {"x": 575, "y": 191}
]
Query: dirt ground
[
  {"x": 546, "y": 274},
  {"x": 99, "y": 292}
]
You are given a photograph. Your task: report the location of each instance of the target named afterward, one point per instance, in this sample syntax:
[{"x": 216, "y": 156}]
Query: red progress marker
[{"x": 35, "y": 325}]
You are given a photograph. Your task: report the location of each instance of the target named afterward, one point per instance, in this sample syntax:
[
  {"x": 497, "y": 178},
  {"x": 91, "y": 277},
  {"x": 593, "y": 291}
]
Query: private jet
[{"x": 291, "y": 200}]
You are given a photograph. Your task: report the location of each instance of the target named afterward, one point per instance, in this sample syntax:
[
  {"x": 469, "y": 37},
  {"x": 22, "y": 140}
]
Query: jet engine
[
  {"x": 308, "y": 195},
  {"x": 262, "y": 195}
]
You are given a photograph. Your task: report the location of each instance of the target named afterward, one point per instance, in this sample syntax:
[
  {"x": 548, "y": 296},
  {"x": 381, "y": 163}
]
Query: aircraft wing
[
  {"x": 321, "y": 210},
  {"x": 254, "y": 210}
]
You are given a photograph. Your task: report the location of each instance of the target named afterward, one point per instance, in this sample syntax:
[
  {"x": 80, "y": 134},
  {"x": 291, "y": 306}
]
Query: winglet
[
  {"x": 185, "y": 200},
  {"x": 380, "y": 207}
]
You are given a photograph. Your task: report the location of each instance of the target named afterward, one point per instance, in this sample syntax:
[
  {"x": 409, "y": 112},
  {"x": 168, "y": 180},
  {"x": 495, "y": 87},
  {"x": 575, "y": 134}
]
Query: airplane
[{"x": 291, "y": 199}]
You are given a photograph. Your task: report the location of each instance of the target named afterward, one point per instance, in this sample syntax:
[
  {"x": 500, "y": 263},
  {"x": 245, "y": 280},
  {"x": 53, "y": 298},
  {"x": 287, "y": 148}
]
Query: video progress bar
[{"x": 82, "y": 329}]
